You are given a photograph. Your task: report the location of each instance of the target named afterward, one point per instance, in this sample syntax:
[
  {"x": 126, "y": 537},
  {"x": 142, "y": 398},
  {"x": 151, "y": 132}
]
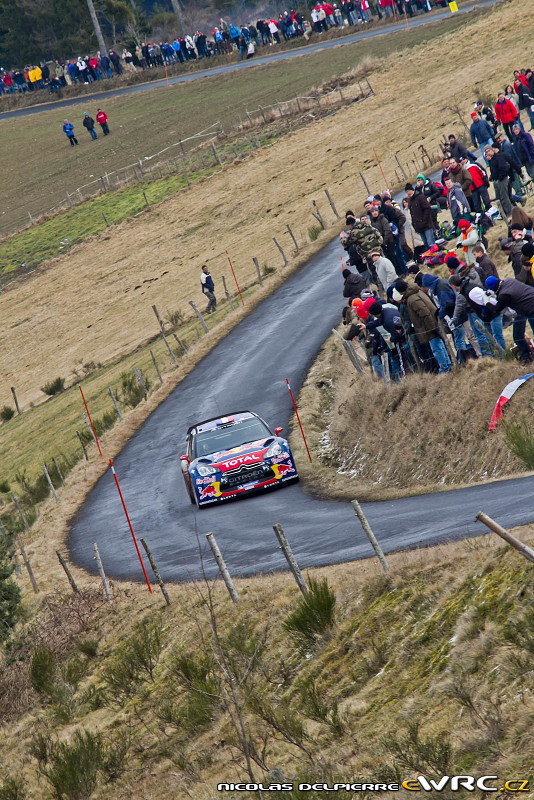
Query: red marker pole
[
  {"x": 235, "y": 279},
  {"x": 381, "y": 170},
  {"x": 91, "y": 421},
  {"x": 130, "y": 524},
  {"x": 300, "y": 423}
]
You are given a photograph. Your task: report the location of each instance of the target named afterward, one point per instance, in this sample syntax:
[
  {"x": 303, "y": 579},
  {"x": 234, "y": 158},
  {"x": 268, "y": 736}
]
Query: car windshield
[{"x": 226, "y": 438}]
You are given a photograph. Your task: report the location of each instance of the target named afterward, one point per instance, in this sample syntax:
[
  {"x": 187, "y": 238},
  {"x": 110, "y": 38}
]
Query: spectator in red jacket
[
  {"x": 506, "y": 114},
  {"x": 102, "y": 119},
  {"x": 479, "y": 185}
]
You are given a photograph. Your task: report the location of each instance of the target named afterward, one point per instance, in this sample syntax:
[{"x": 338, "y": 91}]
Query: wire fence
[{"x": 209, "y": 148}]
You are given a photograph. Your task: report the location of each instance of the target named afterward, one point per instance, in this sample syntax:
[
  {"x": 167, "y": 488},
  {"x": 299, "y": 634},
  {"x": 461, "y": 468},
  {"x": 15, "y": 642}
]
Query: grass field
[{"x": 143, "y": 124}]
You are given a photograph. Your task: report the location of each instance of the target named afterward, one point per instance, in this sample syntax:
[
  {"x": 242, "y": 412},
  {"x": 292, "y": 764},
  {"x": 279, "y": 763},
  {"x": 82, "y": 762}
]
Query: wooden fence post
[
  {"x": 61, "y": 478},
  {"x": 162, "y": 329},
  {"x": 334, "y": 209},
  {"x": 156, "y": 367},
  {"x": 155, "y": 570},
  {"x": 294, "y": 240},
  {"x": 67, "y": 572},
  {"x": 140, "y": 381},
  {"x": 27, "y": 564},
  {"x": 222, "y": 567},
  {"x": 105, "y": 219},
  {"x": 492, "y": 340},
  {"x": 78, "y": 434},
  {"x": 15, "y": 399},
  {"x": 227, "y": 293},
  {"x": 367, "y": 189},
  {"x": 290, "y": 558},
  {"x": 117, "y": 409},
  {"x": 101, "y": 572},
  {"x": 183, "y": 345},
  {"x": 370, "y": 535},
  {"x": 91, "y": 431},
  {"x": 352, "y": 354},
  {"x": 146, "y": 200},
  {"x": 215, "y": 153},
  {"x": 318, "y": 216},
  {"x": 258, "y": 271},
  {"x": 298, "y": 103},
  {"x": 199, "y": 315},
  {"x": 282, "y": 252},
  {"x": 47, "y": 476},
  {"x": 21, "y": 512},
  {"x": 524, "y": 549},
  {"x": 341, "y": 94},
  {"x": 401, "y": 167}
]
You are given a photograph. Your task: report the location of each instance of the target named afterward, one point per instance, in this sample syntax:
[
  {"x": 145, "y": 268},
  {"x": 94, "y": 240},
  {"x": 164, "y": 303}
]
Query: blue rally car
[{"x": 229, "y": 456}]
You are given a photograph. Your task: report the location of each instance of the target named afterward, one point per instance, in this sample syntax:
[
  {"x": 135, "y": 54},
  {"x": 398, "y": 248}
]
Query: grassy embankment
[
  {"x": 426, "y": 671},
  {"x": 422, "y": 435},
  {"x": 143, "y": 124}
]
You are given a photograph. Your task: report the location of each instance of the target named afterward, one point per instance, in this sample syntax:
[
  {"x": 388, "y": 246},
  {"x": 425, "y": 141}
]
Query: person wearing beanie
[
  {"x": 457, "y": 150},
  {"x": 469, "y": 301},
  {"x": 453, "y": 263},
  {"x": 468, "y": 239},
  {"x": 421, "y": 215},
  {"x": 480, "y": 131},
  {"x": 388, "y": 329},
  {"x": 380, "y": 223},
  {"x": 384, "y": 269},
  {"x": 354, "y": 283},
  {"x": 458, "y": 202},
  {"x": 483, "y": 263},
  {"x": 523, "y": 145},
  {"x": 514, "y": 294},
  {"x": 89, "y": 124},
  {"x": 500, "y": 168},
  {"x": 442, "y": 292},
  {"x": 422, "y": 314},
  {"x": 432, "y": 193}
]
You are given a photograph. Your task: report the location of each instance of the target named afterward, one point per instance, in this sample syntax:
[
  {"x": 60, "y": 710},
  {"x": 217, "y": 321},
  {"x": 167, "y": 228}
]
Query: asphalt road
[
  {"x": 247, "y": 370},
  {"x": 415, "y": 22}
]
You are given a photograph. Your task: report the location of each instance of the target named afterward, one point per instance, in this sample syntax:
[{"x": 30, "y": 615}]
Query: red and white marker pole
[
  {"x": 298, "y": 418},
  {"x": 235, "y": 279},
  {"x": 130, "y": 524},
  {"x": 91, "y": 421}
]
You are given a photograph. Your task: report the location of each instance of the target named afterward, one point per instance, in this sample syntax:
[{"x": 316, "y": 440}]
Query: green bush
[
  {"x": 131, "y": 392},
  {"x": 9, "y": 591},
  {"x": 43, "y": 671},
  {"x": 7, "y": 413},
  {"x": 89, "y": 647},
  {"x": 314, "y": 614},
  {"x": 36, "y": 491},
  {"x": 314, "y": 231},
  {"x": 72, "y": 767},
  {"x": 175, "y": 318},
  {"x": 54, "y": 387},
  {"x": 13, "y": 789},
  {"x": 4, "y": 487},
  {"x": 520, "y": 441},
  {"x": 134, "y": 662}
]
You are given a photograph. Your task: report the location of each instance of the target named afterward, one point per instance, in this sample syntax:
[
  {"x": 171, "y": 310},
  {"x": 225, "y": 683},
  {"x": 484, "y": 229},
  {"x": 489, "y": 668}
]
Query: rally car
[{"x": 230, "y": 456}]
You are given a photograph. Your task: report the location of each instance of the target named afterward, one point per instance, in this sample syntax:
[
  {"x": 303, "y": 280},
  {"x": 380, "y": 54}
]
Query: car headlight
[
  {"x": 205, "y": 470},
  {"x": 274, "y": 450}
]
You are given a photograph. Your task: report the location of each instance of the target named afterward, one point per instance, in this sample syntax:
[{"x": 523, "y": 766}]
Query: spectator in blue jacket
[
  {"x": 68, "y": 129},
  {"x": 481, "y": 132},
  {"x": 524, "y": 148}
]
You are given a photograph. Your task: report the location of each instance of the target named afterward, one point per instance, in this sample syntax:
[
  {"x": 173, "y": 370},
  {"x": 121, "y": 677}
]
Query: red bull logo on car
[
  {"x": 282, "y": 469},
  {"x": 213, "y": 490}
]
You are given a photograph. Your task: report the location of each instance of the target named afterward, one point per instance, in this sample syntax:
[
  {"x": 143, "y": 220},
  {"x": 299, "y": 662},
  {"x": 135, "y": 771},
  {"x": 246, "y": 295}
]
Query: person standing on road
[
  {"x": 208, "y": 289},
  {"x": 68, "y": 129},
  {"x": 89, "y": 123},
  {"x": 102, "y": 119}
]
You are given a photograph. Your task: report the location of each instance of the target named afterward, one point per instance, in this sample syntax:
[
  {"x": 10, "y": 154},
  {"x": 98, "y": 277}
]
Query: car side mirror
[
  {"x": 278, "y": 431},
  {"x": 184, "y": 463}
]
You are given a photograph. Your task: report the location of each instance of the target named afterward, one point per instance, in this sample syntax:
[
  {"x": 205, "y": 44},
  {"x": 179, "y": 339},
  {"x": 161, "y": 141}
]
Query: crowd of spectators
[
  {"x": 223, "y": 39},
  {"x": 417, "y": 302}
]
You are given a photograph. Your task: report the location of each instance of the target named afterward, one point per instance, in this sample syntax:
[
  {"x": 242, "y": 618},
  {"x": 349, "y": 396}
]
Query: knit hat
[
  {"x": 369, "y": 302},
  {"x": 427, "y": 280},
  {"x": 474, "y": 114},
  {"x": 362, "y": 313},
  {"x": 452, "y": 262},
  {"x": 527, "y": 250},
  {"x": 491, "y": 283},
  {"x": 346, "y": 273},
  {"x": 409, "y": 187},
  {"x": 464, "y": 224},
  {"x": 400, "y": 285},
  {"x": 357, "y": 302},
  {"x": 421, "y": 176},
  {"x": 375, "y": 308}
]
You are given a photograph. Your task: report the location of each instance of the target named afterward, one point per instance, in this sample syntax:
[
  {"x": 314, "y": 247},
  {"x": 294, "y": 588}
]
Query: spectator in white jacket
[{"x": 385, "y": 270}]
